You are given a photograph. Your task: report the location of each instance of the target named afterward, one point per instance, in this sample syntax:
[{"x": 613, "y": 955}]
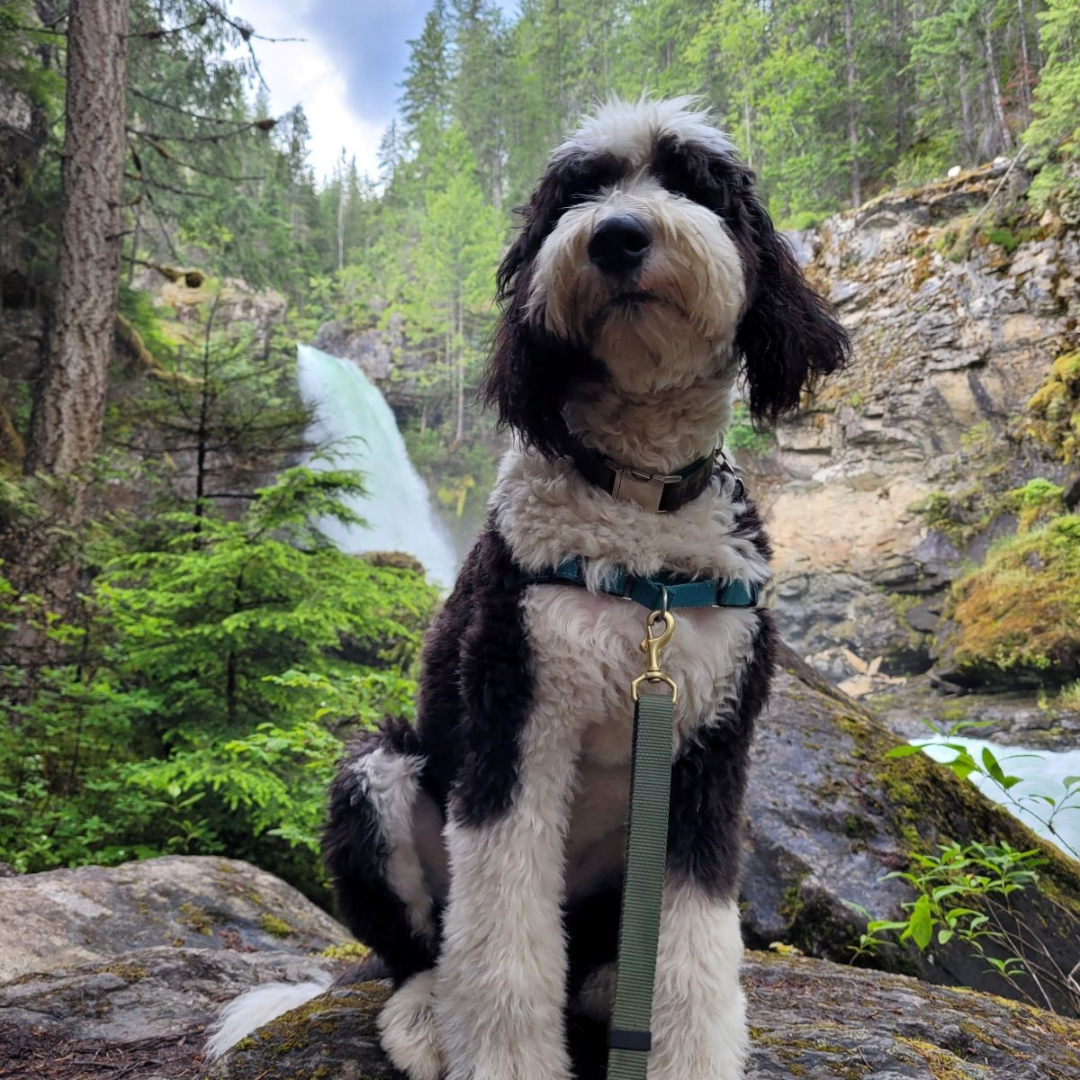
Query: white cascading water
[
  {"x": 1041, "y": 772},
  {"x": 354, "y": 421}
]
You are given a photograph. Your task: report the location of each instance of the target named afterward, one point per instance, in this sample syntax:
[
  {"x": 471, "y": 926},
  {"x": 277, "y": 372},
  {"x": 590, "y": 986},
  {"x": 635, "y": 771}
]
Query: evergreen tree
[{"x": 1054, "y": 135}]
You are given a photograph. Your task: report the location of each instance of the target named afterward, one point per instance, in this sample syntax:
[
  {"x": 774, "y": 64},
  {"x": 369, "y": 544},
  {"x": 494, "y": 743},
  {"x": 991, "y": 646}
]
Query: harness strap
[
  {"x": 646, "y": 591},
  {"x": 629, "y": 1037}
]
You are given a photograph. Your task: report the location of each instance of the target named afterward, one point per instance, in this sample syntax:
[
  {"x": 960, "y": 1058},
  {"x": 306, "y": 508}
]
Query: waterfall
[
  {"x": 1041, "y": 772},
  {"x": 353, "y": 418}
]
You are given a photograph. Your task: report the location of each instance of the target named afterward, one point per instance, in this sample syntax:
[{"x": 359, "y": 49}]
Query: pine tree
[{"x": 1054, "y": 135}]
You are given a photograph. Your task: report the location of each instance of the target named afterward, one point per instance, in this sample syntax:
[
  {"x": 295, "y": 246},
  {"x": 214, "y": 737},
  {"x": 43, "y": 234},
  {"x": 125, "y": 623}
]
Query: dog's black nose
[{"x": 619, "y": 244}]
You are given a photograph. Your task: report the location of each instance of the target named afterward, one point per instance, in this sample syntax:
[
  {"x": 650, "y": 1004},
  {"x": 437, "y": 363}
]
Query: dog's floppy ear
[
  {"x": 788, "y": 335},
  {"x": 530, "y": 371}
]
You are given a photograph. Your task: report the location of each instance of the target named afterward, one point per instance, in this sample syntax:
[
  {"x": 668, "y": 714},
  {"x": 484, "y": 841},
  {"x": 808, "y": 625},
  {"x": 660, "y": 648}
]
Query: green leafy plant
[
  {"x": 965, "y": 892},
  {"x": 212, "y": 680}
]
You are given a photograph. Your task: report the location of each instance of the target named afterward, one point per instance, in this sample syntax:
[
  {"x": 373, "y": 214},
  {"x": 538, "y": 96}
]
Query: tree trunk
[
  {"x": 342, "y": 202},
  {"x": 852, "y": 102},
  {"x": 971, "y": 141},
  {"x": 1025, "y": 75},
  {"x": 70, "y": 400},
  {"x": 459, "y": 433},
  {"x": 995, "y": 85}
]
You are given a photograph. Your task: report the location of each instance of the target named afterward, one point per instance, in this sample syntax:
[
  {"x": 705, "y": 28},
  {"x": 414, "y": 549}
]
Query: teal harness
[{"x": 650, "y": 592}]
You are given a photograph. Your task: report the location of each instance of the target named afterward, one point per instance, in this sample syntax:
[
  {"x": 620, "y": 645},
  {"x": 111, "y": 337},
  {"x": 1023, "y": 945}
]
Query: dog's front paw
[
  {"x": 702, "y": 1059},
  {"x": 511, "y": 1066},
  {"x": 407, "y": 1029}
]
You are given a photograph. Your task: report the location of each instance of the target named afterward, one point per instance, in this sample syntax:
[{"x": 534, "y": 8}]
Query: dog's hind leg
[
  {"x": 381, "y": 854},
  {"x": 383, "y": 846}
]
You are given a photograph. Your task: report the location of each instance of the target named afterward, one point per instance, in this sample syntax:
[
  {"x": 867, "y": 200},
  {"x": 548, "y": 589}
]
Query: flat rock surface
[
  {"x": 809, "y": 1019},
  {"x": 67, "y": 917},
  {"x": 1009, "y": 719}
]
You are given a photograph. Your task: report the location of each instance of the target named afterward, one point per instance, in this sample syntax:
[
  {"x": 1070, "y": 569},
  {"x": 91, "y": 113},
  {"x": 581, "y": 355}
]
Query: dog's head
[{"x": 647, "y": 261}]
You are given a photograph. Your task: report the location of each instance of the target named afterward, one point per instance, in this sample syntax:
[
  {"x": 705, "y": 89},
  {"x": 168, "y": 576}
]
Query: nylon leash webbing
[{"x": 630, "y": 1038}]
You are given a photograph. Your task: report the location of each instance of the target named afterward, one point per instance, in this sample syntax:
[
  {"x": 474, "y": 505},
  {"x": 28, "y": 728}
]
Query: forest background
[{"x": 181, "y": 652}]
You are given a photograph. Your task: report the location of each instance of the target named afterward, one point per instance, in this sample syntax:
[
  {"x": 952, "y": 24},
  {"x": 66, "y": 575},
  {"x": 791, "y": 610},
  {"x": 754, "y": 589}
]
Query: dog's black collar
[{"x": 660, "y": 493}]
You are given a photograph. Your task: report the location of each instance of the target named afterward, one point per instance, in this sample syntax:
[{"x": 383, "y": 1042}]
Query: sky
[{"x": 346, "y": 71}]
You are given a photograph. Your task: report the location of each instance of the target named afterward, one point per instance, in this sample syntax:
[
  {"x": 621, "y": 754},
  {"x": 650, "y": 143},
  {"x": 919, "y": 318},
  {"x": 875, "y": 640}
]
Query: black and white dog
[{"x": 480, "y": 852}]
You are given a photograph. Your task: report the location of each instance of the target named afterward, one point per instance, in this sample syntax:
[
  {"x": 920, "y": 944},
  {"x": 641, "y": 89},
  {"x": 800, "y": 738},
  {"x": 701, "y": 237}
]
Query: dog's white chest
[{"x": 586, "y": 651}]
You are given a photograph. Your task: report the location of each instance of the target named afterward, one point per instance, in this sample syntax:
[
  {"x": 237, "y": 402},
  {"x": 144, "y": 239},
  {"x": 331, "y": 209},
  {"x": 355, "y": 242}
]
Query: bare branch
[
  {"x": 153, "y": 137},
  {"x": 155, "y": 33},
  {"x": 178, "y": 109}
]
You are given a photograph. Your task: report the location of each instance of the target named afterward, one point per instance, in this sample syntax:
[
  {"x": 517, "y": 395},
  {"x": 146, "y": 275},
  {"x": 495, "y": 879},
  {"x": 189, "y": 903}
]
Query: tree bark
[
  {"x": 1025, "y": 76},
  {"x": 70, "y": 400}
]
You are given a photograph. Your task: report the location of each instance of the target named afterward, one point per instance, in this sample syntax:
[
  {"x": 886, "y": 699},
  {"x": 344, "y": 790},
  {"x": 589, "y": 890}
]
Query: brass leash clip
[{"x": 651, "y": 646}]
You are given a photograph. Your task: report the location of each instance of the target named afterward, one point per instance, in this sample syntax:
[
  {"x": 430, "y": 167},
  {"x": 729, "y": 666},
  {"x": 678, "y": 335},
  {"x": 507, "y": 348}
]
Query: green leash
[{"x": 655, "y": 694}]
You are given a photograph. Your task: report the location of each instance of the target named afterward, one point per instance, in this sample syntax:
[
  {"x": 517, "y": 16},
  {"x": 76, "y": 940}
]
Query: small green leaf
[
  {"x": 906, "y": 750},
  {"x": 921, "y": 922}
]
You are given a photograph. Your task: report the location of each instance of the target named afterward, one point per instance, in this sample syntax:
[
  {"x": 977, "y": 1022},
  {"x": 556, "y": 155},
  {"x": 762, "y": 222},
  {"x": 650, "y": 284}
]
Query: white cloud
[{"x": 304, "y": 72}]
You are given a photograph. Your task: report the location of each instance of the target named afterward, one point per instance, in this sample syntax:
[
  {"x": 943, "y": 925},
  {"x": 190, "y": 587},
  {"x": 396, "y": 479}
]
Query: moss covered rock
[
  {"x": 808, "y": 1019},
  {"x": 1016, "y": 619},
  {"x": 1055, "y": 408}
]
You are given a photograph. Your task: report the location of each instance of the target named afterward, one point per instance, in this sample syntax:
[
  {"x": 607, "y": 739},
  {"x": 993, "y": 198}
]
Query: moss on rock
[
  {"x": 1055, "y": 409},
  {"x": 1017, "y": 617},
  {"x": 809, "y": 1019}
]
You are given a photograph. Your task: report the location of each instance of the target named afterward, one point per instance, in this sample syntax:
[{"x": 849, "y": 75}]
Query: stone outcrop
[
  {"x": 955, "y": 321},
  {"x": 122, "y": 970},
  {"x": 808, "y": 1019},
  {"x": 372, "y": 350},
  {"x": 92, "y": 915}
]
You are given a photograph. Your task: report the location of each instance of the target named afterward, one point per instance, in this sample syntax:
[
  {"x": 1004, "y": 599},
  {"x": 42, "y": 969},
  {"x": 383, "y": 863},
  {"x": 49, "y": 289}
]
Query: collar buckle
[{"x": 645, "y": 489}]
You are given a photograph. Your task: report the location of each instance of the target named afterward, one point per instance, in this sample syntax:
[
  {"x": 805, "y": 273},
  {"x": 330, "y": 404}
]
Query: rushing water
[
  {"x": 1042, "y": 772},
  {"x": 354, "y": 420}
]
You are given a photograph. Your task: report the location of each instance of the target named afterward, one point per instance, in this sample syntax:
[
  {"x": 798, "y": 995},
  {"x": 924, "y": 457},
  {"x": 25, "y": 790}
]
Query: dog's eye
[{"x": 592, "y": 177}]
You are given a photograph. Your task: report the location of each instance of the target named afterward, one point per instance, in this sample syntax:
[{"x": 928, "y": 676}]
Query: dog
[{"x": 480, "y": 852}]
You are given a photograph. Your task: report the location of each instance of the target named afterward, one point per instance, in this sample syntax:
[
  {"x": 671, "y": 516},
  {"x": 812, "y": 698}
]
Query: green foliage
[
  {"x": 966, "y": 892},
  {"x": 1003, "y": 238},
  {"x": 743, "y": 434},
  {"x": 954, "y": 888},
  {"x": 211, "y": 677},
  {"x": 1053, "y": 135}
]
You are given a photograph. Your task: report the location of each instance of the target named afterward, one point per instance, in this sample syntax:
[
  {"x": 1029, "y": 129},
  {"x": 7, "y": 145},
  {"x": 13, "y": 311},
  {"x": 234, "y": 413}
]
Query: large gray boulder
[
  {"x": 808, "y": 1019},
  {"x": 64, "y": 918},
  {"x": 122, "y": 969}
]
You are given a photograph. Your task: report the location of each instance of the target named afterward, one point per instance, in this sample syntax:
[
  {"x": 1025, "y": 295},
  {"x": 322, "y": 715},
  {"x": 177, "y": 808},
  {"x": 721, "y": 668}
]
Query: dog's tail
[{"x": 251, "y": 1010}]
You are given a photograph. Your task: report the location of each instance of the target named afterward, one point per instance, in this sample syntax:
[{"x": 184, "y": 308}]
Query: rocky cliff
[{"x": 959, "y": 299}]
